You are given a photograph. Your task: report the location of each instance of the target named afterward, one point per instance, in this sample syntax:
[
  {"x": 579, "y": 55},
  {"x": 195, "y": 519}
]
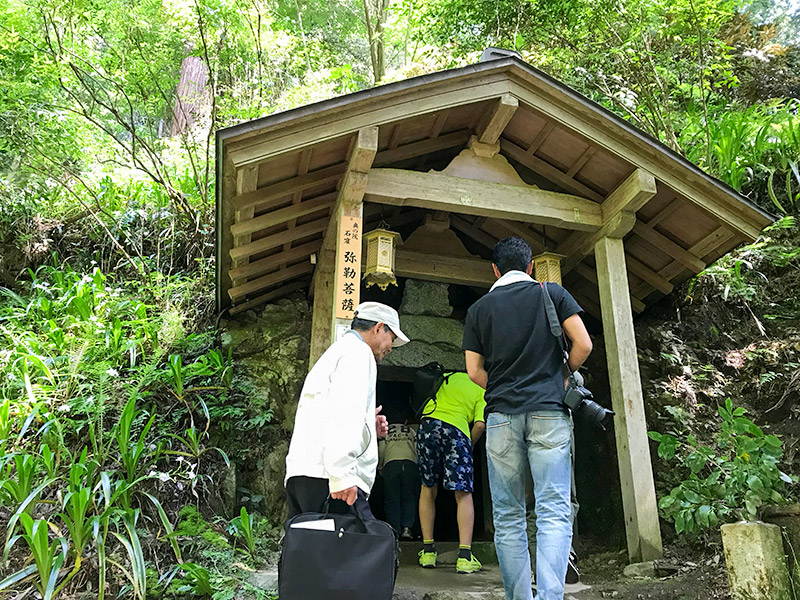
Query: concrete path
[{"x": 443, "y": 583}]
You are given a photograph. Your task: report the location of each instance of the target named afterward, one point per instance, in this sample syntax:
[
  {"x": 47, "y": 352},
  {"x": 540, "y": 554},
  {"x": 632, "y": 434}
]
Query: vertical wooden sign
[{"x": 348, "y": 266}]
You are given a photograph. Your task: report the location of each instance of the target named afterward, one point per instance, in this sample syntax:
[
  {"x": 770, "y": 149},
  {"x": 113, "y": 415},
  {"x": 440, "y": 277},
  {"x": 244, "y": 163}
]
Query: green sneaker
[
  {"x": 473, "y": 565},
  {"x": 427, "y": 559}
]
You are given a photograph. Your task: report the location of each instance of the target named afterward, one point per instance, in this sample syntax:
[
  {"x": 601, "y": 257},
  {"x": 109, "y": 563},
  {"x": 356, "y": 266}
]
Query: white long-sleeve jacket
[{"x": 334, "y": 430}]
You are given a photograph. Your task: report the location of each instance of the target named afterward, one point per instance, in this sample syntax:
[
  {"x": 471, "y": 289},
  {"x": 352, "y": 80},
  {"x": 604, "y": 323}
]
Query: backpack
[{"x": 425, "y": 385}]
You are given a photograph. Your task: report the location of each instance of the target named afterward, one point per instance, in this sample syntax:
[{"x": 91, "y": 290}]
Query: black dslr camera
[{"x": 579, "y": 400}]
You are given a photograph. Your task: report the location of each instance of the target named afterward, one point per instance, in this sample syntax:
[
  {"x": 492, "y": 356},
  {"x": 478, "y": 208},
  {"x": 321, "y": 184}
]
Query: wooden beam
[
  {"x": 363, "y": 151},
  {"x": 577, "y": 247},
  {"x": 292, "y": 136},
  {"x": 492, "y": 126},
  {"x": 548, "y": 171},
  {"x": 279, "y": 239},
  {"x": 283, "y": 290},
  {"x": 246, "y": 181},
  {"x": 669, "y": 247},
  {"x": 455, "y": 194},
  {"x": 265, "y": 265},
  {"x": 630, "y": 426},
  {"x": 705, "y": 246},
  {"x": 426, "y": 146},
  {"x": 226, "y": 190},
  {"x": 322, "y": 317},
  {"x": 446, "y": 269},
  {"x": 629, "y": 144},
  {"x": 646, "y": 274},
  {"x": 584, "y": 158},
  {"x": 589, "y": 275},
  {"x": 630, "y": 195},
  {"x": 541, "y": 137},
  {"x": 283, "y": 215},
  {"x": 302, "y": 168},
  {"x": 665, "y": 212},
  {"x": 520, "y": 230},
  {"x": 619, "y": 216},
  {"x": 462, "y": 225},
  {"x": 239, "y": 292},
  {"x": 289, "y": 187},
  {"x": 405, "y": 218}
]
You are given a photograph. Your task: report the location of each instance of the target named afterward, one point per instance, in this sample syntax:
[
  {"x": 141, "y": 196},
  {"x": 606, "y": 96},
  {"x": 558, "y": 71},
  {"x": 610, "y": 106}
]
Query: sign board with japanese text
[{"x": 348, "y": 266}]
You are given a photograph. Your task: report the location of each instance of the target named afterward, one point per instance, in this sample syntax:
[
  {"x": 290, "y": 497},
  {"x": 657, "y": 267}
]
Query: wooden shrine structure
[{"x": 493, "y": 149}]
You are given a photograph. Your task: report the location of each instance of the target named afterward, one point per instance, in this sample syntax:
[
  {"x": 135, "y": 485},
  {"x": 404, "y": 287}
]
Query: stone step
[{"x": 448, "y": 552}]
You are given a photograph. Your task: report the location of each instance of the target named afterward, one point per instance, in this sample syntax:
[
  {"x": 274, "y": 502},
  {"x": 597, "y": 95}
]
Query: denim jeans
[
  {"x": 531, "y": 505},
  {"x": 540, "y": 441},
  {"x": 401, "y": 490}
]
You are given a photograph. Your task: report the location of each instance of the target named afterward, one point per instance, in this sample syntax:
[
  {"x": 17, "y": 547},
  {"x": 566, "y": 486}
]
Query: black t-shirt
[{"x": 509, "y": 328}]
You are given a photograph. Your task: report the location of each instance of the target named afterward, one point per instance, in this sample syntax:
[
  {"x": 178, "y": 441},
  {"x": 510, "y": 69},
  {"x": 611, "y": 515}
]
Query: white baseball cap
[{"x": 380, "y": 313}]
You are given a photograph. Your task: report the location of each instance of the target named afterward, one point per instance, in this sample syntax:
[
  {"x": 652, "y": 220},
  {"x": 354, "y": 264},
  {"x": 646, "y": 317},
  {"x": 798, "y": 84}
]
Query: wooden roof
[{"x": 277, "y": 181}]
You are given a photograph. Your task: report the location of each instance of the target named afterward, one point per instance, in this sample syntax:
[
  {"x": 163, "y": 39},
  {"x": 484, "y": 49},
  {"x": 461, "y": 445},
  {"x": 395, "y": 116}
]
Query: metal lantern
[
  {"x": 547, "y": 267},
  {"x": 380, "y": 258}
]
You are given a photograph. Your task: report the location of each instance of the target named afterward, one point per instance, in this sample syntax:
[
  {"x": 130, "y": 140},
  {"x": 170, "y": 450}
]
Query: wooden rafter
[
  {"x": 584, "y": 158},
  {"x": 646, "y": 274},
  {"x": 541, "y": 137},
  {"x": 280, "y": 259},
  {"x": 302, "y": 169},
  {"x": 283, "y": 215},
  {"x": 443, "y": 192},
  {"x": 494, "y": 122},
  {"x": 290, "y": 186},
  {"x": 422, "y": 148},
  {"x": 279, "y": 239},
  {"x": 473, "y": 231},
  {"x": 257, "y": 285},
  {"x": 619, "y": 216},
  {"x": 669, "y": 247},
  {"x": 246, "y": 181},
  {"x": 258, "y": 149},
  {"x": 548, "y": 171},
  {"x": 283, "y": 290}
]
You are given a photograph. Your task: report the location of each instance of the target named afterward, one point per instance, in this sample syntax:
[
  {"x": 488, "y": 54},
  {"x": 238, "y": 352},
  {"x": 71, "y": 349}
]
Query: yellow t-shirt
[{"x": 459, "y": 402}]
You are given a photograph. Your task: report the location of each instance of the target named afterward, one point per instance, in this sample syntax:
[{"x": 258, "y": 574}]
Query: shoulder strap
[{"x": 552, "y": 318}]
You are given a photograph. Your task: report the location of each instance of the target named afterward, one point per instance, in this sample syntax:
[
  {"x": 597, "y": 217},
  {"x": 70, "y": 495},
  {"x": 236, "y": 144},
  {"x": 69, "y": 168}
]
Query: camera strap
[{"x": 552, "y": 318}]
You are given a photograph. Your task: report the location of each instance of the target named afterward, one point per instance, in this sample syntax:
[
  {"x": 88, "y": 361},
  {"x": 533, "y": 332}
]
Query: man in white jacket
[{"x": 334, "y": 447}]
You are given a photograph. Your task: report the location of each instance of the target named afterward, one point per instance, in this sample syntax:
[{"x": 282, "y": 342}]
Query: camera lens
[{"x": 597, "y": 414}]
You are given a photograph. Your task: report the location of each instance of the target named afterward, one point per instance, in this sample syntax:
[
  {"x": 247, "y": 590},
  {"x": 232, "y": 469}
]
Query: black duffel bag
[{"x": 329, "y": 556}]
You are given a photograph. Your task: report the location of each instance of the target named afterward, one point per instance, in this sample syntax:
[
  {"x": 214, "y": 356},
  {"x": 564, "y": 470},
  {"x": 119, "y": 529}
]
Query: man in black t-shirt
[{"x": 511, "y": 353}]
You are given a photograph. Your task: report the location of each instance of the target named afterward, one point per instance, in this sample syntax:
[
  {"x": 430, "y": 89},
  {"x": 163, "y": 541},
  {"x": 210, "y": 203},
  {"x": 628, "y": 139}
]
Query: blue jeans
[
  {"x": 401, "y": 490},
  {"x": 540, "y": 441}
]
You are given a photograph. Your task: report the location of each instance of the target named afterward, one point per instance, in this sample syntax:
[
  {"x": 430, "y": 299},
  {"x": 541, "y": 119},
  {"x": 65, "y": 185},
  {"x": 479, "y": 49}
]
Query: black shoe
[
  {"x": 572, "y": 569},
  {"x": 406, "y": 534}
]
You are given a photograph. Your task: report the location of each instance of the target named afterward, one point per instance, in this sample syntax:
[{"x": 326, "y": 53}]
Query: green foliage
[
  {"x": 242, "y": 526},
  {"x": 725, "y": 482}
]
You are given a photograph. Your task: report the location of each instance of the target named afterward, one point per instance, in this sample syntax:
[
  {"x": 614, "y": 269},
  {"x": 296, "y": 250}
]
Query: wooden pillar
[
  {"x": 340, "y": 251},
  {"x": 322, "y": 320},
  {"x": 633, "y": 450}
]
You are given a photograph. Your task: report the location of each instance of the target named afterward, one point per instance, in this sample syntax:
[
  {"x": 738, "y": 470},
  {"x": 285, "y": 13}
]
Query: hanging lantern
[
  {"x": 547, "y": 267},
  {"x": 380, "y": 257}
]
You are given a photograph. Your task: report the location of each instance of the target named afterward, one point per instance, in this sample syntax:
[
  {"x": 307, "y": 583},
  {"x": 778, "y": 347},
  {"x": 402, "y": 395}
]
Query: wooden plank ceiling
[{"x": 276, "y": 206}]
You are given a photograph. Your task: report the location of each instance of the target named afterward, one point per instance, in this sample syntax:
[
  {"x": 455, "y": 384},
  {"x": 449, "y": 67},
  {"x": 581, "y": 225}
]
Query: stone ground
[{"x": 603, "y": 575}]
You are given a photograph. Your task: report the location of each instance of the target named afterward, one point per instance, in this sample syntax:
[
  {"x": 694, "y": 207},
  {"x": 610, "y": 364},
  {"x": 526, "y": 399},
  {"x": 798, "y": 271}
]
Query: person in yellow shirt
[{"x": 451, "y": 425}]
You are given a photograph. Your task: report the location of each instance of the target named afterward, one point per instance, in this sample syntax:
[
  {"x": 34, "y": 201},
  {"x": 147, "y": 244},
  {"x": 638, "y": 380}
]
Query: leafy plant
[
  {"x": 48, "y": 556},
  {"x": 243, "y": 526},
  {"x": 730, "y": 481}
]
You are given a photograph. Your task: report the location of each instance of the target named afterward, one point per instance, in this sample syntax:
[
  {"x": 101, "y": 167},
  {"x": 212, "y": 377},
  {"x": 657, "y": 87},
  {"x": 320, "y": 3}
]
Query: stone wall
[
  {"x": 270, "y": 348},
  {"x": 425, "y": 319}
]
